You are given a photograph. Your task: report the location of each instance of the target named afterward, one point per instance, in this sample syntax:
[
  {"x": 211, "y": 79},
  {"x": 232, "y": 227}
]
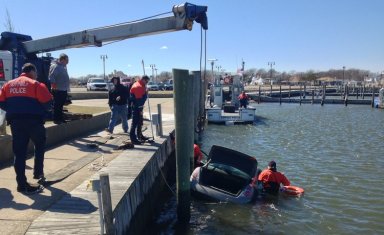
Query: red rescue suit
[{"x": 271, "y": 180}]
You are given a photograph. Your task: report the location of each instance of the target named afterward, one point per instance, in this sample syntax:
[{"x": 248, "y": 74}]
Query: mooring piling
[{"x": 183, "y": 102}]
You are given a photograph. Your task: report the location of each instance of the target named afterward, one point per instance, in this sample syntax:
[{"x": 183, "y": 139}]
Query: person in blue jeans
[
  {"x": 117, "y": 101},
  {"x": 138, "y": 96}
]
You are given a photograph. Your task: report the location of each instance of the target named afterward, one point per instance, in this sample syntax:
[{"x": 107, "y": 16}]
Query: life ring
[{"x": 292, "y": 190}]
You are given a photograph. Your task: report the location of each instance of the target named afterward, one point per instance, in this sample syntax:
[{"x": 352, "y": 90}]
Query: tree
[{"x": 8, "y": 22}]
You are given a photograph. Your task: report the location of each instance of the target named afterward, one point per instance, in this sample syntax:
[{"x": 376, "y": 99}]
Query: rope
[
  {"x": 165, "y": 180},
  {"x": 96, "y": 166}
]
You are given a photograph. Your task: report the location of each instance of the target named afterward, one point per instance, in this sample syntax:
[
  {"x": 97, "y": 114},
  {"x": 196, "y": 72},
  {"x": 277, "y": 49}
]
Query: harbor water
[{"x": 334, "y": 152}]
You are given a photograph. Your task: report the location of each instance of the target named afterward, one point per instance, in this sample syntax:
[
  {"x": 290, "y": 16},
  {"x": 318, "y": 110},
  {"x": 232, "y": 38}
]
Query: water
[{"x": 334, "y": 152}]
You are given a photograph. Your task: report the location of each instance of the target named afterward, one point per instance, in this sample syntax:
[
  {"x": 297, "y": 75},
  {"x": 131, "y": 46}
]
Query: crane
[{"x": 23, "y": 49}]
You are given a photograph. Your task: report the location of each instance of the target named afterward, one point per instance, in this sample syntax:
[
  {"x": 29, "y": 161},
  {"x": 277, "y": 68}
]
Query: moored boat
[{"x": 224, "y": 107}]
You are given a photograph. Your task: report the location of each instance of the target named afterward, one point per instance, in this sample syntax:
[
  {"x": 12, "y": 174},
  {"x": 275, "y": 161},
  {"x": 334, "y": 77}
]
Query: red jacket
[
  {"x": 270, "y": 178},
  {"x": 24, "y": 97},
  {"x": 197, "y": 155},
  {"x": 243, "y": 96},
  {"x": 138, "y": 94}
]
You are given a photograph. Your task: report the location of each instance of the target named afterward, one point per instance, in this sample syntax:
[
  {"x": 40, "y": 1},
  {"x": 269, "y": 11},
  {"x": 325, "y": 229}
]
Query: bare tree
[{"x": 8, "y": 22}]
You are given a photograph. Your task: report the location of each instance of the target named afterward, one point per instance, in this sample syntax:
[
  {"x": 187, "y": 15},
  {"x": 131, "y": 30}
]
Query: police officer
[
  {"x": 26, "y": 102},
  {"x": 138, "y": 96}
]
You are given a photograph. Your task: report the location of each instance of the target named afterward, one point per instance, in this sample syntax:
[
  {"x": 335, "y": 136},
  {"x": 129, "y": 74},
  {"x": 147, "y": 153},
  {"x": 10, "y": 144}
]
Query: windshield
[{"x": 97, "y": 81}]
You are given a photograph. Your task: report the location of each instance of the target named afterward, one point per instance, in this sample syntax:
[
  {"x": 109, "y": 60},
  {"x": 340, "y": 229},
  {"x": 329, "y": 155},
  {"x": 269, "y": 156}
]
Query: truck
[{"x": 18, "y": 49}]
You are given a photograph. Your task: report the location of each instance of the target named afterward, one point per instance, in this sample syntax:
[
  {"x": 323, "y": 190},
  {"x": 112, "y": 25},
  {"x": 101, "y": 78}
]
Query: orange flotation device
[{"x": 292, "y": 190}]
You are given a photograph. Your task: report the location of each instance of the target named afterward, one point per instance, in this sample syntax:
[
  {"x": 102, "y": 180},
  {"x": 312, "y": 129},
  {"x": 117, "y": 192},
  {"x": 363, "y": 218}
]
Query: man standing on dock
[
  {"x": 138, "y": 96},
  {"x": 27, "y": 102},
  {"x": 59, "y": 78}
]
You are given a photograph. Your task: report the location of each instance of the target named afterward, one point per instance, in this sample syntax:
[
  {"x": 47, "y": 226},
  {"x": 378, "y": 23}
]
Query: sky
[{"x": 296, "y": 35}]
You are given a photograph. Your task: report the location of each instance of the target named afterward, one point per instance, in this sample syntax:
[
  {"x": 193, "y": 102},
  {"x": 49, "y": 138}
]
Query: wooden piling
[
  {"x": 258, "y": 100},
  {"x": 289, "y": 93},
  {"x": 270, "y": 93},
  {"x": 183, "y": 102},
  {"x": 363, "y": 90},
  {"x": 280, "y": 95},
  {"x": 107, "y": 203},
  {"x": 313, "y": 95},
  {"x": 300, "y": 94},
  {"x": 305, "y": 90},
  {"x": 373, "y": 97},
  {"x": 160, "y": 125}
]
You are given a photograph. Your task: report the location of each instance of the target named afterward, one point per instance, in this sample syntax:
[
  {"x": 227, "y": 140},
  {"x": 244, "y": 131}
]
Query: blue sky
[{"x": 298, "y": 35}]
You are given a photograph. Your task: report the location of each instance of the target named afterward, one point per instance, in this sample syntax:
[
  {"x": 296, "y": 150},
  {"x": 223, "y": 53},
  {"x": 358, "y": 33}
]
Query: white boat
[
  {"x": 379, "y": 101},
  {"x": 223, "y": 106}
]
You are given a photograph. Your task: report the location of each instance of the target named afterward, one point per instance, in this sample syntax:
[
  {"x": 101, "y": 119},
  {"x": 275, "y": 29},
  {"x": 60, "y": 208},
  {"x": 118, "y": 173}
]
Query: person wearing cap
[
  {"x": 271, "y": 179},
  {"x": 138, "y": 96}
]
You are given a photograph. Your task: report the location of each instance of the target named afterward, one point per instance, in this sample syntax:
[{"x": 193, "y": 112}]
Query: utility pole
[
  {"x": 271, "y": 64},
  {"x": 103, "y": 57},
  {"x": 212, "y": 64},
  {"x": 242, "y": 69},
  {"x": 156, "y": 74},
  {"x": 153, "y": 66}
]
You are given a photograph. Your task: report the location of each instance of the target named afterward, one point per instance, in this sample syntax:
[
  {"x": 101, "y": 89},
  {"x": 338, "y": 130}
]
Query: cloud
[{"x": 163, "y": 48}]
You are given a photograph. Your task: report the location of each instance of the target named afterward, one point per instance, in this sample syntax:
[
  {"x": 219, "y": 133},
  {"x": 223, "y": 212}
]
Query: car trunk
[
  {"x": 225, "y": 179},
  {"x": 221, "y": 180}
]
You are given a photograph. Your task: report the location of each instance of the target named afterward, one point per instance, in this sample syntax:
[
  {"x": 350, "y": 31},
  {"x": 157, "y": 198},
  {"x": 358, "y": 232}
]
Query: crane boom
[{"x": 183, "y": 18}]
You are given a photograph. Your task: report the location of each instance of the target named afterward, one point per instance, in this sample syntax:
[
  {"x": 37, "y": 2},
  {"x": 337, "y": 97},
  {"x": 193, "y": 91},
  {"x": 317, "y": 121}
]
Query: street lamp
[
  {"x": 213, "y": 63},
  {"x": 218, "y": 68},
  {"x": 103, "y": 57},
  {"x": 271, "y": 64},
  {"x": 153, "y": 66}
]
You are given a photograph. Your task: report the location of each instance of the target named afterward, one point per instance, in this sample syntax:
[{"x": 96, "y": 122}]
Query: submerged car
[
  {"x": 97, "y": 84},
  {"x": 227, "y": 176}
]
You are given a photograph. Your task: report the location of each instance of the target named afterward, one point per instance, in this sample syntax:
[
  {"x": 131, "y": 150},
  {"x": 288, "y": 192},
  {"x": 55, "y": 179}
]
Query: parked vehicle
[
  {"x": 161, "y": 86},
  {"x": 97, "y": 84},
  {"x": 228, "y": 175},
  {"x": 151, "y": 86},
  {"x": 168, "y": 85}
]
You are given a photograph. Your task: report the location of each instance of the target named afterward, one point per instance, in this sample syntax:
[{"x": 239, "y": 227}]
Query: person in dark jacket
[
  {"x": 271, "y": 179},
  {"x": 117, "y": 101},
  {"x": 138, "y": 97},
  {"x": 27, "y": 102}
]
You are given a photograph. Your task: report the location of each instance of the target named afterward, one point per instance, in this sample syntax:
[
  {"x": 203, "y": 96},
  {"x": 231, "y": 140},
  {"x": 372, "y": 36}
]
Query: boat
[
  {"x": 228, "y": 176},
  {"x": 379, "y": 101},
  {"x": 223, "y": 107}
]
